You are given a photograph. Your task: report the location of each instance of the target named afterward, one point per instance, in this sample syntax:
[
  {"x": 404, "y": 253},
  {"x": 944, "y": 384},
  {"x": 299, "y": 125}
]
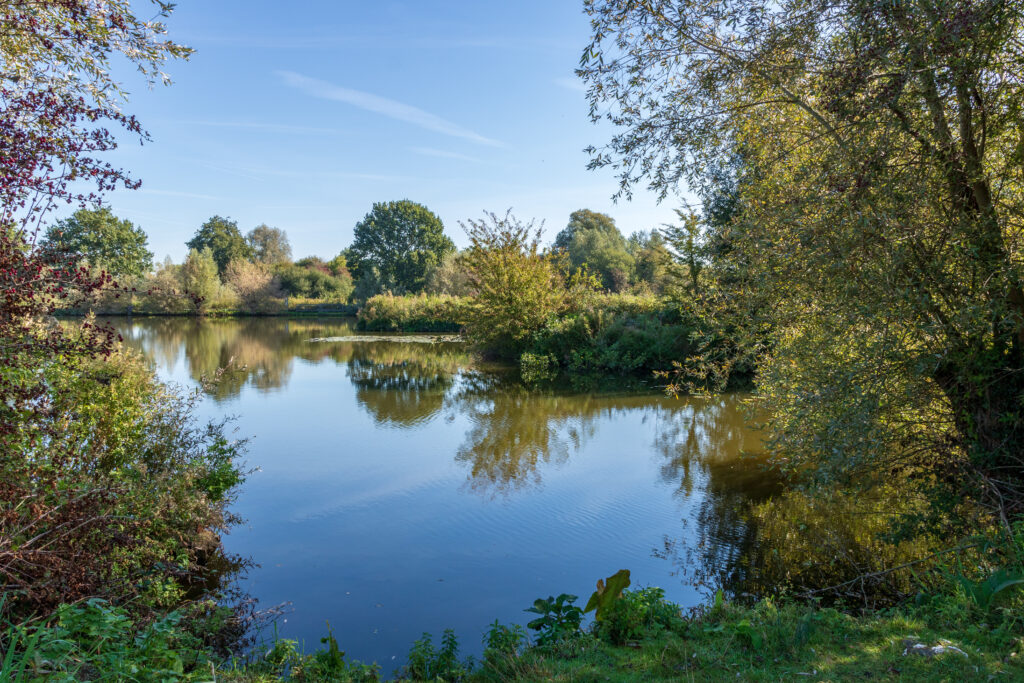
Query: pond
[{"x": 404, "y": 488}]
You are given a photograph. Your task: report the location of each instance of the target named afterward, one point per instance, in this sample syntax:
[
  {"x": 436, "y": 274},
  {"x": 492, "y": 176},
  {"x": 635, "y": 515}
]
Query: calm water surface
[{"x": 403, "y": 488}]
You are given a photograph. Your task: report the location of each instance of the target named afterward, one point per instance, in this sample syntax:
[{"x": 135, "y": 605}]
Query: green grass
[
  {"x": 766, "y": 642},
  {"x": 769, "y": 643}
]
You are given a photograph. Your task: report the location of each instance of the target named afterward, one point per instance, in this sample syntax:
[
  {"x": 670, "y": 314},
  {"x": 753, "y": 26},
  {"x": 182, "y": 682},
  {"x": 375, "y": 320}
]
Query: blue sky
[{"x": 301, "y": 115}]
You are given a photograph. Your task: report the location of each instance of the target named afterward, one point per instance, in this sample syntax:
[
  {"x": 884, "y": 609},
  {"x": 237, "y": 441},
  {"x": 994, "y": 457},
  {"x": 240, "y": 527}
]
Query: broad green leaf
[{"x": 608, "y": 591}]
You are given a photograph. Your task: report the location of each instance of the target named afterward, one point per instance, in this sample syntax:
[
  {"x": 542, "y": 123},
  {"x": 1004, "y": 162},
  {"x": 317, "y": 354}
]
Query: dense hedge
[{"x": 423, "y": 313}]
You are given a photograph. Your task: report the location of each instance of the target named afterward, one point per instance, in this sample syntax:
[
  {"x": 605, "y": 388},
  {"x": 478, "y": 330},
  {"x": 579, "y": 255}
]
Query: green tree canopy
[
  {"x": 652, "y": 259},
  {"x": 269, "y": 245},
  {"x": 592, "y": 239},
  {"x": 880, "y": 218},
  {"x": 582, "y": 221},
  {"x": 605, "y": 255},
  {"x": 104, "y": 240},
  {"x": 222, "y": 237},
  {"x": 403, "y": 241}
]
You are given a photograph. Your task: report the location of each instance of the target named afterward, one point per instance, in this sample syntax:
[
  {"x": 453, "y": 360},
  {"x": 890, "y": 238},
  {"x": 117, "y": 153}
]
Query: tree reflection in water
[
  {"x": 709, "y": 442},
  {"x": 514, "y": 431},
  {"x": 403, "y": 384},
  {"x": 514, "y": 434}
]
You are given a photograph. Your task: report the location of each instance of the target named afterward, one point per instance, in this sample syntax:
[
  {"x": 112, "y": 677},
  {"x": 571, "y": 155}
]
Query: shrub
[
  {"x": 114, "y": 491},
  {"x": 258, "y": 290},
  {"x": 423, "y": 313},
  {"x": 639, "y": 614},
  {"x": 616, "y": 334},
  {"x": 314, "y": 281},
  {"x": 559, "y": 618},
  {"x": 165, "y": 291},
  {"x": 518, "y": 287}
]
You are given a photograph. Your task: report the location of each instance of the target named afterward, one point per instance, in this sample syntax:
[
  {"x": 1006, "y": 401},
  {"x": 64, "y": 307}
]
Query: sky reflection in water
[{"x": 403, "y": 490}]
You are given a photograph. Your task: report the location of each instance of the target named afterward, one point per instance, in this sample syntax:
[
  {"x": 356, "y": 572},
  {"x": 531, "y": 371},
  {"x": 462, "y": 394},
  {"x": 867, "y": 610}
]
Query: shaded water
[{"x": 402, "y": 488}]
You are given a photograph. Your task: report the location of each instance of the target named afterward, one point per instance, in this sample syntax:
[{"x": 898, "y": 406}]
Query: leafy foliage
[
  {"x": 314, "y": 282},
  {"x": 592, "y": 241},
  {"x": 97, "y": 641},
  {"x": 199, "y": 278},
  {"x": 637, "y": 614},
  {"x": 427, "y": 663},
  {"x": 585, "y": 220},
  {"x": 876, "y": 216},
  {"x": 518, "y": 286},
  {"x": 608, "y": 591},
  {"x": 401, "y": 242},
  {"x": 450, "y": 277},
  {"x": 269, "y": 245},
  {"x": 559, "y": 618},
  {"x": 258, "y": 289},
  {"x": 502, "y": 645},
  {"x": 388, "y": 313},
  {"x": 104, "y": 241},
  {"x": 114, "y": 491},
  {"x": 222, "y": 237}
]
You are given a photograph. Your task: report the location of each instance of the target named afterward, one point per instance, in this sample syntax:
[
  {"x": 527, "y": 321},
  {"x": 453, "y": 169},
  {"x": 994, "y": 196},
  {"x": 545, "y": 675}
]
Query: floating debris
[{"x": 400, "y": 339}]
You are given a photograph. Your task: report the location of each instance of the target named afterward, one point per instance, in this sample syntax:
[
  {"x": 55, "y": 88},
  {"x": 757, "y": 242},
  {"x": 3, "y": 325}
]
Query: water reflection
[
  {"x": 392, "y": 465},
  {"x": 512, "y": 432},
  {"x": 402, "y": 384}
]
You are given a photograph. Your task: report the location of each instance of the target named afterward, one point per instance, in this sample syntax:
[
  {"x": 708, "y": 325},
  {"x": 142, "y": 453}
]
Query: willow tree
[{"x": 878, "y": 212}]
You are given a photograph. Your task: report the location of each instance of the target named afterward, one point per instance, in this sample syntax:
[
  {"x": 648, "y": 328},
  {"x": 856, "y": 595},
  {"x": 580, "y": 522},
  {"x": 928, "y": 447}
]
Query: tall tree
[
  {"x": 583, "y": 220},
  {"x": 591, "y": 239},
  {"x": 104, "y": 241},
  {"x": 269, "y": 245},
  {"x": 880, "y": 223},
  {"x": 605, "y": 255},
  {"x": 403, "y": 241},
  {"x": 222, "y": 237}
]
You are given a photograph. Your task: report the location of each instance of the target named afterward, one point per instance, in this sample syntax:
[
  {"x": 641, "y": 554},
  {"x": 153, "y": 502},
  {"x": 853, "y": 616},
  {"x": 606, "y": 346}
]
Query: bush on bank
[
  {"x": 111, "y": 490},
  {"x": 422, "y": 313}
]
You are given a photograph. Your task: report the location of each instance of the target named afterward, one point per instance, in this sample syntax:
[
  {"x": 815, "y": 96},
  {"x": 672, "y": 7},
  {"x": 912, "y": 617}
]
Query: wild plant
[{"x": 559, "y": 618}]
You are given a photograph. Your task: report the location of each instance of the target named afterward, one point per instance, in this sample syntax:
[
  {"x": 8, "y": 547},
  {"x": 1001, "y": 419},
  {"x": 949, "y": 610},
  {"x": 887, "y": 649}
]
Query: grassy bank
[{"x": 644, "y": 639}]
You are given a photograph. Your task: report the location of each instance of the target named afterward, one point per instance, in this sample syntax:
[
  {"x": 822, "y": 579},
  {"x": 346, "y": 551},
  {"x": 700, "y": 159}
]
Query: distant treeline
[{"x": 400, "y": 248}]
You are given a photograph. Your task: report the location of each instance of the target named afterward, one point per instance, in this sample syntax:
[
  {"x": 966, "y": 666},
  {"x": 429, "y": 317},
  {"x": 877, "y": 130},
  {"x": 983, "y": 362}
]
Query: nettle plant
[{"x": 559, "y": 618}]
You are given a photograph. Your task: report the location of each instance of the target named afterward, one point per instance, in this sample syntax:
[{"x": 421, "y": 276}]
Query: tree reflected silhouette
[
  {"x": 708, "y": 451},
  {"x": 402, "y": 384}
]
